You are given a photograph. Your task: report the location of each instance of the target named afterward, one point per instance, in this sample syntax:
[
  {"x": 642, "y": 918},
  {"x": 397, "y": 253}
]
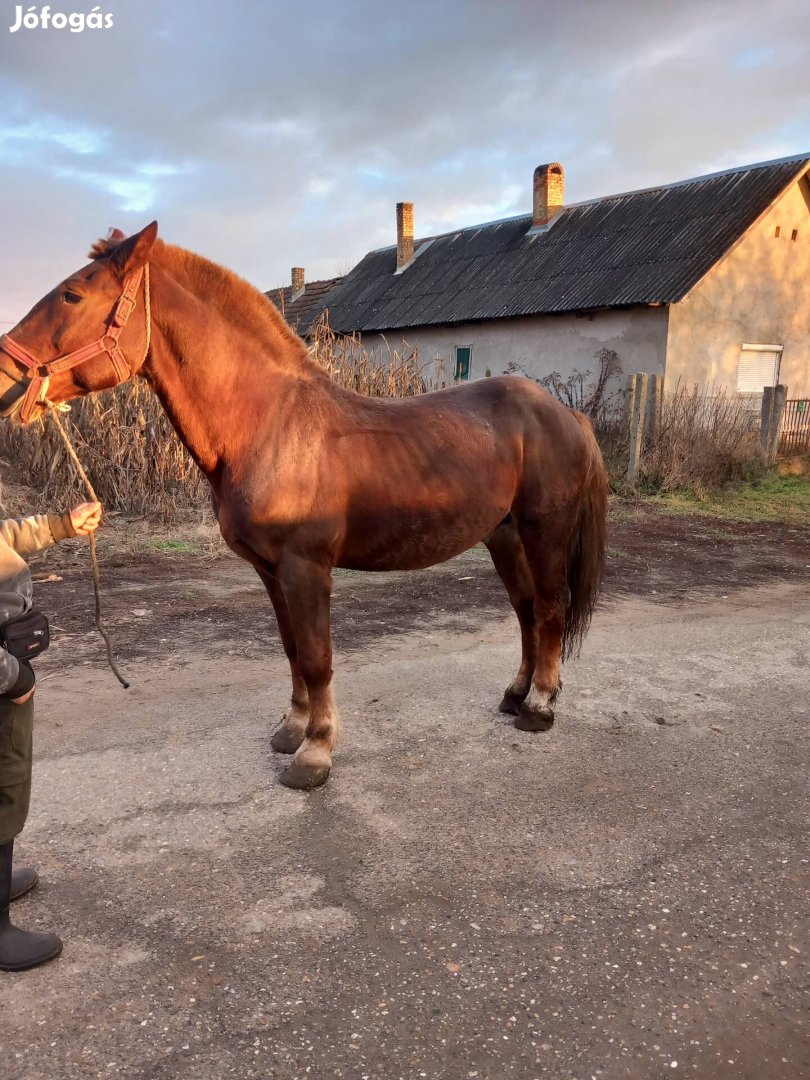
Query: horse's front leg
[
  {"x": 290, "y": 735},
  {"x": 307, "y": 588}
]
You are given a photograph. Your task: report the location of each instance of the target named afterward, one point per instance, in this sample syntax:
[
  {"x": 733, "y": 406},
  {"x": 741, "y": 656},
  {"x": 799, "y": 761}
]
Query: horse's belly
[{"x": 409, "y": 540}]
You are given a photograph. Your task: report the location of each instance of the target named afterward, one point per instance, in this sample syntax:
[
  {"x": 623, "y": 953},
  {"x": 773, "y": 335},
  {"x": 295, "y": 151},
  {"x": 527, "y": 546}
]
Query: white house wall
[
  {"x": 757, "y": 294},
  {"x": 539, "y": 345}
]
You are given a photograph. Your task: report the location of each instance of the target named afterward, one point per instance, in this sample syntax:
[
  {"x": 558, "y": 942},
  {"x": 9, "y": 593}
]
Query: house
[
  {"x": 703, "y": 281},
  {"x": 301, "y": 302}
]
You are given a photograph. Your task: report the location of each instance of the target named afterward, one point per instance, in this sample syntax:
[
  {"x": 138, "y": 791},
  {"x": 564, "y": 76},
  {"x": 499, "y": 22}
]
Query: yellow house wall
[{"x": 757, "y": 294}]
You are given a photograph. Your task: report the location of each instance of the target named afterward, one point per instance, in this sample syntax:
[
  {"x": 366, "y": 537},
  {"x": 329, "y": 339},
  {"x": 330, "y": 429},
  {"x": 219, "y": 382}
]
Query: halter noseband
[{"x": 39, "y": 374}]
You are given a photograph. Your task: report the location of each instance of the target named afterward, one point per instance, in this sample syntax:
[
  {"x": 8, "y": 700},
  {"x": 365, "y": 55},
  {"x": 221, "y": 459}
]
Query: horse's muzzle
[{"x": 12, "y": 399}]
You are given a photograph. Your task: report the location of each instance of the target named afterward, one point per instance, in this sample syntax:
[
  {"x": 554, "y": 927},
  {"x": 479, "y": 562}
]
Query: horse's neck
[{"x": 217, "y": 379}]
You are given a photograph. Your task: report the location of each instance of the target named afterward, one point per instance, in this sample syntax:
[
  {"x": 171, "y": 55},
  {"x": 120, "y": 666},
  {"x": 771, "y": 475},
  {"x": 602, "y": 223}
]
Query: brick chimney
[
  {"x": 404, "y": 233},
  {"x": 298, "y": 280},
  {"x": 549, "y": 193}
]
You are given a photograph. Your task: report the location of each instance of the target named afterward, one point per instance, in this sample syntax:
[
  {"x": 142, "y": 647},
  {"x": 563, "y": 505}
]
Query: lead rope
[
  {"x": 93, "y": 553},
  {"x": 91, "y": 492}
]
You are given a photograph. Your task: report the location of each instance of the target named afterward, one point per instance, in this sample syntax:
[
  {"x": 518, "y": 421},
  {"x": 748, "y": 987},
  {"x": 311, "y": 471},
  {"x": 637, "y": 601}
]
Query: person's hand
[
  {"x": 22, "y": 700},
  {"x": 86, "y": 518}
]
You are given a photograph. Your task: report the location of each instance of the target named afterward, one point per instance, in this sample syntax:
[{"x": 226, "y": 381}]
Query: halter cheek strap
[{"x": 39, "y": 374}]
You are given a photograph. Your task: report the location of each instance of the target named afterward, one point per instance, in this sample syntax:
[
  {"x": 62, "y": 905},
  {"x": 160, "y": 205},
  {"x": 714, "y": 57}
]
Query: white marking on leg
[{"x": 537, "y": 700}]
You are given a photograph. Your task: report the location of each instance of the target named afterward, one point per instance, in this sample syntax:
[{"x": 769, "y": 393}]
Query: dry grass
[
  {"x": 393, "y": 373},
  {"x": 128, "y": 447},
  {"x": 613, "y": 436},
  {"x": 706, "y": 439}
]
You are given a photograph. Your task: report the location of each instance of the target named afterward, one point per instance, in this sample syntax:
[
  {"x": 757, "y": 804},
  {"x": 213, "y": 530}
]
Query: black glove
[{"x": 26, "y": 680}]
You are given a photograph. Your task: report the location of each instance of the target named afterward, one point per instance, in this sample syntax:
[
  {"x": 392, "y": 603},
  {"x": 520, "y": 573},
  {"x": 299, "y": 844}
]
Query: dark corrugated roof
[
  {"x": 646, "y": 247},
  {"x": 302, "y": 312}
]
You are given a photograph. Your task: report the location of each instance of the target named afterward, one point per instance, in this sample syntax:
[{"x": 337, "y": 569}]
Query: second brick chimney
[
  {"x": 549, "y": 193},
  {"x": 298, "y": 281},
  {"x": 404, "y": 233}
]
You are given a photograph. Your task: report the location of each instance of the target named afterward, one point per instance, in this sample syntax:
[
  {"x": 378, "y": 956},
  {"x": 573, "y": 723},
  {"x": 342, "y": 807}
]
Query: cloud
[
  {"x": 48, "y": 131},
  {"x": 53, "y": 146},
  {"x": 45, "y": 144},
  {"x": 268, "y": 134},
  {"x": 135, "y": 192}
]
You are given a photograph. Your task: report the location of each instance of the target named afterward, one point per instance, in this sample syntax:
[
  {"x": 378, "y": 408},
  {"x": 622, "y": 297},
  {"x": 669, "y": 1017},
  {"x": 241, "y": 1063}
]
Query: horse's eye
[{"x": 71, "y": 297}]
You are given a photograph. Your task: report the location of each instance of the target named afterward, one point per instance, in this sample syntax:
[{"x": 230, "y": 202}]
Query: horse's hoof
[
  {"x": 534, "y": 719},
  {"x": 286, "y": 740},
  {"x": 511, "y": 704},
  {"x": 304, "y": 777}
]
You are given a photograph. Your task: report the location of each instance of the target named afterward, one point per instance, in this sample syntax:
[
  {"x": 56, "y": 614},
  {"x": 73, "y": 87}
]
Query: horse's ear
[{"x": 132, "y": 253}]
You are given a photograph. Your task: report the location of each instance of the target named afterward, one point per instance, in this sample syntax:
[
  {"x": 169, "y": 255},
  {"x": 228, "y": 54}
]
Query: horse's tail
[{"x": 586, "y": 555}]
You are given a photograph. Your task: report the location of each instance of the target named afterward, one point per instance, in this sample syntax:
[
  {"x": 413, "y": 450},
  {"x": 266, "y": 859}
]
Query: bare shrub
[
  {"x": 706, "y": 438},
  {"x": 586, "y": 391}
]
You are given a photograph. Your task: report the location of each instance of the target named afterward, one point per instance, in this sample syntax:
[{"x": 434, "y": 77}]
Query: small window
[
  {"x": 778, "y": 230},
  {"x": 463, "y": 359},
  {"x": 794, "y": 235},
  {"x": 758, "y": 368}
]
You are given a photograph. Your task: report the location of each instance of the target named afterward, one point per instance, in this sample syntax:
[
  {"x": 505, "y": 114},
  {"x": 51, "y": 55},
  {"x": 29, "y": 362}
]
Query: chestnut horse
[{"x": 307, "y": 476}]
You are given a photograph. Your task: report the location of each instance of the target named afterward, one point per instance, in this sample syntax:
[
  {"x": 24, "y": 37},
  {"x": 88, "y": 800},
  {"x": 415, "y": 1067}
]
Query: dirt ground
[{"x": 624, "y": 896}]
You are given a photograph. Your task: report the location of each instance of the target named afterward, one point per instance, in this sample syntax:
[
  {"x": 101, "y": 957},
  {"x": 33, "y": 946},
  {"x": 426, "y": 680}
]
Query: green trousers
[{"x": 16, "y": 745}]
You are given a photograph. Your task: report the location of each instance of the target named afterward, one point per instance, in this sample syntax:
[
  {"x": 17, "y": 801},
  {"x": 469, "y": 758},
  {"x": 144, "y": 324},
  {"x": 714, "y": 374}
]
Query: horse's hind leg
[
  {"x": 293, "y": 728},
  {"x": 546, "y": 545},
  {"x": 509, "y": 557}
]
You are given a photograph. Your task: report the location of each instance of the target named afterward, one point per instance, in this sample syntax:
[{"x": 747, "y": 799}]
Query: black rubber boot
[
  {"x": 20, "y": 949},
  {"x": 23, "y": 880}
]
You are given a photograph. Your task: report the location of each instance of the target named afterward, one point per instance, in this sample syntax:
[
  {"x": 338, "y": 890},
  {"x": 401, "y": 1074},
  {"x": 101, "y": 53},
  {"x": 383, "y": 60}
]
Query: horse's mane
[
  {"x": 230, "y": 294},
  {"x": 102, "y": 248}
]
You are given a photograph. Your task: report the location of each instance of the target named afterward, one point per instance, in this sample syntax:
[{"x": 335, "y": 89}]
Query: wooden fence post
[
  {"x": 632, "y": 388},
  {"x": 765, "y": 418},
  {"x": 780, "y": 393},
  {"x": 655, "y": 405},
  {"x": 637, "y": 426},
  {"x": 770, "y": 425}
]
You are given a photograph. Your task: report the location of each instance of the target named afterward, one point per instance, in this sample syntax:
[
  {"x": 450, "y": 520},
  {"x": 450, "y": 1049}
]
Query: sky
[{"x": 265, "y": 135}]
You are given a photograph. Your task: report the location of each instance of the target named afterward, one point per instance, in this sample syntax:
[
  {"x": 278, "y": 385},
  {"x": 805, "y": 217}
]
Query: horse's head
[{"x": 80, "y": 338}]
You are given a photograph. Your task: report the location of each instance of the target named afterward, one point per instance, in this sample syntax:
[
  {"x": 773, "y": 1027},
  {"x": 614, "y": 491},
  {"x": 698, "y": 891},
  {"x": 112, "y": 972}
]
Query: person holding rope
[{"x": 23, "y": 635}]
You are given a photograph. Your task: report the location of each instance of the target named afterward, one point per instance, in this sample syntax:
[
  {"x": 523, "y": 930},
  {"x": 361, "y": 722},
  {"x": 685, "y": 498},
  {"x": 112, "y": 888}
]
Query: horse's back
[
  {"x": 545, "y": 422},
  {"x": 505, "y": 399}
]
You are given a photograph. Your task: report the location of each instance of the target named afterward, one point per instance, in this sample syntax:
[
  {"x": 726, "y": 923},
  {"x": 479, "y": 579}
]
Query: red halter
[{"x": 39, "y": 374}]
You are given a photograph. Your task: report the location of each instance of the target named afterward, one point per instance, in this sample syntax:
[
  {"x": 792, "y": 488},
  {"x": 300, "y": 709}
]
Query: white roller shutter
[{"x": 759, "y": 367}]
